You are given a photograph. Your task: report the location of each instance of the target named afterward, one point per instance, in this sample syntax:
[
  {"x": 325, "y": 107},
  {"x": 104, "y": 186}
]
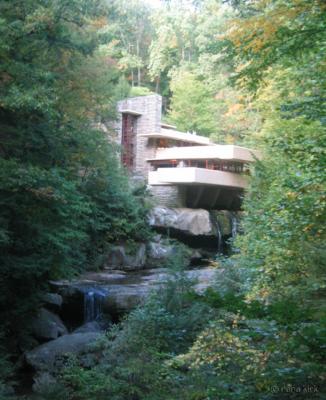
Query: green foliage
[
  {"x": 6, "y": 368},
  {"x": 184, "y": 345},
  {"x": 140, "y": 91},
  {"x": 285, "y": 206},
  {"x": 279, "y": 32},
  {"x": 192, "y": 104},
  {"x": 47, "y": 388},
  {"x": 62, "y": 195},
  {"x": 289, "y": 204},
  {"x": 133, "y": 363},
  {"x": 130, "y": 30},
  {"x": 187, "y": 62},
  {"x": 259, "y": 332},
  {"x": 173, "y": 42},
  {"x": 249, "y": 359}
]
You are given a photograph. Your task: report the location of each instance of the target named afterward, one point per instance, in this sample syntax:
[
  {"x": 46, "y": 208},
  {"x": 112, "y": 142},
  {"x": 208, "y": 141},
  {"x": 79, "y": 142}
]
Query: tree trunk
[
  {"x": 157, "y": 86},
  {"x": 138, "y": 67}
]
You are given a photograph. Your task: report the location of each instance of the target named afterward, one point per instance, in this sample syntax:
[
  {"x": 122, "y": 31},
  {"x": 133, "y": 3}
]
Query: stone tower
[{"x": 138, "y": 115}]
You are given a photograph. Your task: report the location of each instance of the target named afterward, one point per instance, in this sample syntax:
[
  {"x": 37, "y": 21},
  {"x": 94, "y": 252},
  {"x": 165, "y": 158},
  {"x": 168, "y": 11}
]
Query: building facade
[{"x": 181, "y": 169}]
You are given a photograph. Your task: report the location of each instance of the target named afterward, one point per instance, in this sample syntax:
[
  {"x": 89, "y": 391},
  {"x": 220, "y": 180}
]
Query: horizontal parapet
[
  {"x": 178, "y": 136},
  {"x": 212, "y": 152},
  {"x": 196, "y": 176}
]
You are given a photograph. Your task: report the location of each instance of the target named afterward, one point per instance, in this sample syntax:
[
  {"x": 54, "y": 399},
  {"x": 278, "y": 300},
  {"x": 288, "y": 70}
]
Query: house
[{"x": 181, "y": 169}]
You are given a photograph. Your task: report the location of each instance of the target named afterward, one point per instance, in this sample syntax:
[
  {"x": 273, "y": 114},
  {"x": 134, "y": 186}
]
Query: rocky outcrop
[
  {"x": 158, "y": 251},
  {"x": 52, "y": 301},
  {"x": 228, "y": 221},
  {"x": 126, "y": 290},
  {"x": 48, "y": 356},
  {"x": 47, "y": 325},
  {"x": 196, "y": 222},
  {"x": 190, "y": 221},
  {"x": 161, "y": 249},
  {"x": 140, "y": 256},
  {"x": 92, "y": 326},
  {"x": 127, "y": 259}
]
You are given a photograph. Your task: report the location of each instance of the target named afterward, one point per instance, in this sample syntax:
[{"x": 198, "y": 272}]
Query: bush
[
  {"x": 47, "y": 388},
  {"x": 133, "y": 365}
]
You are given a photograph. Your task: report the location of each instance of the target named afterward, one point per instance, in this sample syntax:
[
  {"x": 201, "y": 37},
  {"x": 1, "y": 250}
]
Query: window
[{"x": 128, "y": 140}]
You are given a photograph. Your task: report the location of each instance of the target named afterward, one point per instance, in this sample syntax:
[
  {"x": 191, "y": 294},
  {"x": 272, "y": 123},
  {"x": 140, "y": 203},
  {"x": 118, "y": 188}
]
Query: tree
[
  {"x": 192, "y": 104},
  {"x": 276, "y": 32},
  {"x": 191, "y": 39},
  {"x": 285, "y": 69},
  {"x": 130, "y": 30},
  {"x": 62, "y": 194},
  {"x": 173, "y": 43}
]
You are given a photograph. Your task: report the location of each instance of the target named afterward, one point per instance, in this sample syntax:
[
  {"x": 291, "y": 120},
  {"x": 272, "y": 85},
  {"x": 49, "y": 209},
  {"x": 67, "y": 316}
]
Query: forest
[{"x": 244, "y": 72}]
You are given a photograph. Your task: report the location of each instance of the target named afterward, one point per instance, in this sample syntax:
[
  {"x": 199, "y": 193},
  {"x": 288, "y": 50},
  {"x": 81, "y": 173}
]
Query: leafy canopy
[{"x": 63, "y": 197}]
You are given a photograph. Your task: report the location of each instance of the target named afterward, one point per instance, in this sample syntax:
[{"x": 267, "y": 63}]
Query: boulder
[
  {"x": 124, "y": 298},
  {"x": 92, "y": 326},
  {"x": 126, "y": 259},
  {"x": 47, "y": 325},
  {"x": 127, "y": 290},
  {"x": 133, "y": 290},
  {"x": 46, "y": 357},
  {"x": 44, "y": 382},
  {"x": 187, "y": 220},
  {"x": 196, "y": 255},
  {"x": 195, "y": 222},
  {"x": 53, "y": 301},
  {"x": 157, "y": 238},
  {"x": 158, "y": 251}
]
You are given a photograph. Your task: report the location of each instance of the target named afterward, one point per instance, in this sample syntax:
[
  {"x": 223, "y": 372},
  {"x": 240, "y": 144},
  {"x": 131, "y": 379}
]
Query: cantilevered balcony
[
  {"x": 196, "y": 176},
  {"x": 209, "y": 152}
]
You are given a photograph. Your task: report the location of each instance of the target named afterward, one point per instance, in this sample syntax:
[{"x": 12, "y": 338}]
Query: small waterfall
[
  {"x": 219, "y": 234},
  {"x": 234, "y": 226},
  {"x": 219, "y": 238},
  {"x": 93, "y": 299}
]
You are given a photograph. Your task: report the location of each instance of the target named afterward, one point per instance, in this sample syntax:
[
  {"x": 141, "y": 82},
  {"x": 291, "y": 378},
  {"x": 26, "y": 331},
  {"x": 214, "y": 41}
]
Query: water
[
  {"x": 93, "y": 299},
  {"x": 219, "y": 238},
  {"x": 234, "y": 226},
  {"x": 219, "y": 235}
]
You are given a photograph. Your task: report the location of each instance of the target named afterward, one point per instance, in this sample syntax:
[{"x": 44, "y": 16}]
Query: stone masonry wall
[
  {"x": 168, "y": 196},
  {"x": 149, "y": 122}
]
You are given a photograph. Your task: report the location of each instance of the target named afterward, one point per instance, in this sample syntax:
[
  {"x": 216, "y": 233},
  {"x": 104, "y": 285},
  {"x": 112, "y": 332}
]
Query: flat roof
[
  {"x": 168, "y": 126},
  {"x": 212, "y": 152},
  {"x": 129, "y": 111},
  {"x": 176, "y": 135}
]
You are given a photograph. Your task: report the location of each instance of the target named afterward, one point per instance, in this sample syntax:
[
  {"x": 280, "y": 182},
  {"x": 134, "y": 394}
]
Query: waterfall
[
  {"x": 234, "y": 226},
  {"x": 93, "y": 299},
  {"x": 219, "y": 234},
  {"x": 219, "y": 238}
]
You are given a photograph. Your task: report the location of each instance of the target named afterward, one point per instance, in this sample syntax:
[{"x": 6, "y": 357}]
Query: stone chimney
[{"x": 140, "y": 115}]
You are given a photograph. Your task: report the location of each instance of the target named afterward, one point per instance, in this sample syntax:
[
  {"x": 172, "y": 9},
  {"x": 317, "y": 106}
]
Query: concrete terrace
[{"x": 182, "y": 169}]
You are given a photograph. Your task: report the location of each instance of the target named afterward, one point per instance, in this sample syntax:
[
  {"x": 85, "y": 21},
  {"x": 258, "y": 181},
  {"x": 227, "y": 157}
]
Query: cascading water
[
  {"x": 93, "y": 299},
  {"x": 234, "y": 226},
  {"x": 219, "y": 238},
  {"x": 219, "y": 234}
]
